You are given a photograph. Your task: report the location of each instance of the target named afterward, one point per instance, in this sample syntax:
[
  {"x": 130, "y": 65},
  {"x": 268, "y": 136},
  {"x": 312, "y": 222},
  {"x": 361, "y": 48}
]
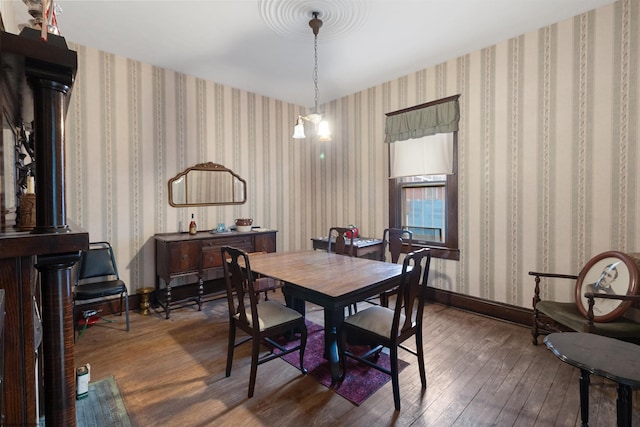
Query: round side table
[{"x": 145, "y": 294}]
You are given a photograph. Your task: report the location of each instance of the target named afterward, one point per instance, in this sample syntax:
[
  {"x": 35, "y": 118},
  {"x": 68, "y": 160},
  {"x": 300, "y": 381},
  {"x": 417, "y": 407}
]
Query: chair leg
[
  {"x": 255, "y": 350},
  {"x": 353, "y": 308},
  {"x": 232, "y": 342},
  {"x": 126, "y": 306},
  {"x": 384, "y": 299},
  {"x": 303, "y": 345},
  {"x": 535, "y": 332},
  {"x": 420, "y": 355},
  {"x": 395, "y": 383}
]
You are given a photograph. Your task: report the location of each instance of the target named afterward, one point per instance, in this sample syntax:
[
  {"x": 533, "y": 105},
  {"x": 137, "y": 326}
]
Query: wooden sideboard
[{"x": 182, "y": 255}]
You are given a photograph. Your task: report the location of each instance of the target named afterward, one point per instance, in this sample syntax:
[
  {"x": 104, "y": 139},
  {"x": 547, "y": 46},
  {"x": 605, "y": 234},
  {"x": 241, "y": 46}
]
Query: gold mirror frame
[{"x": 207, "y": 184}]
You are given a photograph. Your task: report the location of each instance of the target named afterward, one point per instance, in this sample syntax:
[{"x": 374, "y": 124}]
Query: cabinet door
[
  {"x": 265, "y": 242},
  {"x": 184, "y": 257}
]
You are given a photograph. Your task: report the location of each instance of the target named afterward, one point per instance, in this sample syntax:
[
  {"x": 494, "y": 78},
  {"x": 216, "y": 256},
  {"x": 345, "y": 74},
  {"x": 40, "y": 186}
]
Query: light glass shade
[
  {"x": 298, "y": 130},
  {"x": 324, "y": 133}
]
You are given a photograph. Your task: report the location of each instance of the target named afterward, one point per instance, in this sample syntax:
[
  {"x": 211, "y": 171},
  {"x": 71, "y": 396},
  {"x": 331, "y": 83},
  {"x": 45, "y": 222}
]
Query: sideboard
[
  {"x": 363, "y": 247},
  {"x": 183, "y": 255}
]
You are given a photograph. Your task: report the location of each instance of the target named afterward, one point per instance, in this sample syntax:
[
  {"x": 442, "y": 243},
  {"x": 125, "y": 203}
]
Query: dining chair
[
  {"x": 338, "y": 243},
  {"x": 380, "y": 327},
  {"x": 394, "y": 239},
  {"x": 261, "y": 322},
  {"x": 98, "y": 277}
]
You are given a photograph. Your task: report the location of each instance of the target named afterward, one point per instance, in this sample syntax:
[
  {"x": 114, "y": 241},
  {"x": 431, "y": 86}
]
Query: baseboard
[
  {"x": 510, "y": 313},
  {"x": 213, "y": 289}
]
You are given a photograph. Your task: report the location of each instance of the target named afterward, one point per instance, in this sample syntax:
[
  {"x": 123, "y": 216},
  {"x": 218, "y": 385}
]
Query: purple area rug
[{"x": 361, "y": 380}]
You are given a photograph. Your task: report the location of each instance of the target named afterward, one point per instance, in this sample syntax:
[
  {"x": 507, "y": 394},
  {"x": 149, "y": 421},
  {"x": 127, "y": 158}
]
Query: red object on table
[{"x": 354, "y": 230}]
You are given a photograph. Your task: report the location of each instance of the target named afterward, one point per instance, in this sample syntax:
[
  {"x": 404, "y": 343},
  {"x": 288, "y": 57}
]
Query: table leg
[
  {"x": 584, "y": 396},
  {"x": 332, "y": 322},
  {"x": 298, "y": 305},
  {"x": 624, "y": 405},
  {"x": 295, "y": 303}
]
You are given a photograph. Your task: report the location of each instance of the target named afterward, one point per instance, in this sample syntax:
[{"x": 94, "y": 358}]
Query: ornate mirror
[{"x": 207, "y": 184}]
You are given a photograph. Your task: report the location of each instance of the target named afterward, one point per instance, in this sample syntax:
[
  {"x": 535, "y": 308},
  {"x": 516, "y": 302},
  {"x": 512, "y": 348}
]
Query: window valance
[{"x": 417, "y": 122}]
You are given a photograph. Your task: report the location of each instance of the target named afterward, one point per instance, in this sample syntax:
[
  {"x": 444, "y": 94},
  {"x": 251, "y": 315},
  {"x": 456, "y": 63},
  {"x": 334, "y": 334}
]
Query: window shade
[{"x": 429, "y": 155}]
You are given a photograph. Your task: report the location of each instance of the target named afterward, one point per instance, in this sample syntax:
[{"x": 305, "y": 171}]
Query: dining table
[{"x": 328, "y": 280}]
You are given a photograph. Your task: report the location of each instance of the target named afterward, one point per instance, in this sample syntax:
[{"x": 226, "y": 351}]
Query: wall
[{"x": 548, "y": 154}]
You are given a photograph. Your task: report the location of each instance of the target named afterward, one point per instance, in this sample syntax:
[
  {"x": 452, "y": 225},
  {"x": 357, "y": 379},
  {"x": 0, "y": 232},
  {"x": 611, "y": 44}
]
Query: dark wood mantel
[{"x": 36, "y": 267}]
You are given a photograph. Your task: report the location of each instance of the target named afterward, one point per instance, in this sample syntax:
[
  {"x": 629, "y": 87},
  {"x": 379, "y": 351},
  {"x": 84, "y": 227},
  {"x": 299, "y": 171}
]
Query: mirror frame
[{"x": 213, "y": 168}]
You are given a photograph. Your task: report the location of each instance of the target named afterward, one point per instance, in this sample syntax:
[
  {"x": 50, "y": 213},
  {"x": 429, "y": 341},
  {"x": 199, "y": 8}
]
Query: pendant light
[{"x": 321, "y": 125}]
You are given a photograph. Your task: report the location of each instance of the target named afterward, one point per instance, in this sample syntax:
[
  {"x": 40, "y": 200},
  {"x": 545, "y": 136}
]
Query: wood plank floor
[{"x": 480, "y": 372}]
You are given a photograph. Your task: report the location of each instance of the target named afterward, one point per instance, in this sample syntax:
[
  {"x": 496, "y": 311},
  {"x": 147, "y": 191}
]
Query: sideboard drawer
[
  {"x": 211, "y": 249},
  {"x": 184, "y": 257}
]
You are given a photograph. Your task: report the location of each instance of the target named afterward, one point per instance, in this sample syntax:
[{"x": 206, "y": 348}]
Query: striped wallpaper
[{"x": 548, "y": 159}]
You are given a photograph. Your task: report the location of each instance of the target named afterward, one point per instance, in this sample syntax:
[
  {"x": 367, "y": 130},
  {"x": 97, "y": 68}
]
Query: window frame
[{"x": 448, "y": 249}]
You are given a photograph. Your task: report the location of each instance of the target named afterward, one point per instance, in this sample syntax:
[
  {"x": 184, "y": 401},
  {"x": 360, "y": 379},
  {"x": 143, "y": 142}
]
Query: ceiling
[{"x": 266, "y": 46}]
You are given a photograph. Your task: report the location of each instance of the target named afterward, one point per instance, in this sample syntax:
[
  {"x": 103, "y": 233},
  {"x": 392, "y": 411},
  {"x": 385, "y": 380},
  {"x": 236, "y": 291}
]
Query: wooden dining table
[{"x": 330, "y": 281}]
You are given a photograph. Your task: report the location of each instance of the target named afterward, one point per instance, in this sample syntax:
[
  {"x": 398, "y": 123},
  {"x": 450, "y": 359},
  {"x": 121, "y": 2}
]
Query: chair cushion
[
  {"x": 568, "y": 315},
  {"x": 271, "y": 313},
  {"x": 376, "y": 319},
  {"x": 99, "y": 289}
]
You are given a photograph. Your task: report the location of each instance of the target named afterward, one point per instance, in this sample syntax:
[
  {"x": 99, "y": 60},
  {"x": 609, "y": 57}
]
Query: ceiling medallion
[{"x": 289, "y": 18}]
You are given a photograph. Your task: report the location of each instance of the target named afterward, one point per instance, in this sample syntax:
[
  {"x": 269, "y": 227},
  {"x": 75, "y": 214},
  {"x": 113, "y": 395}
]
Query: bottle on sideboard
[{"x": 193, "y": 228}]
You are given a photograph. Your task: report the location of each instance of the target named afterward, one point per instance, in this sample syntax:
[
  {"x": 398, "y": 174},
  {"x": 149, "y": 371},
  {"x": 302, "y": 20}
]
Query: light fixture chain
[{"x": 315, "y": 70}]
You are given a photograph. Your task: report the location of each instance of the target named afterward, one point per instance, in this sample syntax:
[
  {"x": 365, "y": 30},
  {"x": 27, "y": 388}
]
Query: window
[
  {"x": 423, "y": 207},
  {"x": 427, "y": 204}
]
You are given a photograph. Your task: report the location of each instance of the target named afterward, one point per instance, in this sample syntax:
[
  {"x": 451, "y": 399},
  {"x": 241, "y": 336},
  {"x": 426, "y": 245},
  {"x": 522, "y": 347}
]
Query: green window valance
[{"x": 418, "y": 122}]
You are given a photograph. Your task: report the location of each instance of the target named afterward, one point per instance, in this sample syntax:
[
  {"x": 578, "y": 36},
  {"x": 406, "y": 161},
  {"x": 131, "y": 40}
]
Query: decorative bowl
[
  {"x": 243, "y": 228},
  {"x": 244, "y": 221}
]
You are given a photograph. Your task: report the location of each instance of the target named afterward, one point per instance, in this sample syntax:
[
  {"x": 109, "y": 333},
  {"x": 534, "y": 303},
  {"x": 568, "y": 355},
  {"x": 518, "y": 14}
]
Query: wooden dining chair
[
  {"x": 394, "y": 240},
  {"x": 338, "y": 243},
  {"x": 380, "y": 327},
  {"x": 261, "y": 322}
]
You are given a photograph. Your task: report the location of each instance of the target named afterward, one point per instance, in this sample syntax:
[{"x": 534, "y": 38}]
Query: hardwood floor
[{"x": 480, "y": 372}]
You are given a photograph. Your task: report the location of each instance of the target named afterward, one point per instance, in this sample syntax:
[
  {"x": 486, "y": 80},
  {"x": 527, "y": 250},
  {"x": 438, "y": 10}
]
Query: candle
[{"x": 31, "y": 183}]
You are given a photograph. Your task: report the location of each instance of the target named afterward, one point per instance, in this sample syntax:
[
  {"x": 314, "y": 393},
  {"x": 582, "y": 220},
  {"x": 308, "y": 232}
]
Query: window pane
[{"x": 424, "y": 207}]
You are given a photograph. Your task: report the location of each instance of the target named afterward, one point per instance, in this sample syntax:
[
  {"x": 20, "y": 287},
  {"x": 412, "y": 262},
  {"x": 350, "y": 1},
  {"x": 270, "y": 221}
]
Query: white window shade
[{"x": 427, "y": 155}]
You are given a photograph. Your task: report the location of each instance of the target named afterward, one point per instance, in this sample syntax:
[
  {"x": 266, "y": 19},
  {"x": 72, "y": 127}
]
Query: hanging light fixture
[{"x": 322, "y": 126}]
